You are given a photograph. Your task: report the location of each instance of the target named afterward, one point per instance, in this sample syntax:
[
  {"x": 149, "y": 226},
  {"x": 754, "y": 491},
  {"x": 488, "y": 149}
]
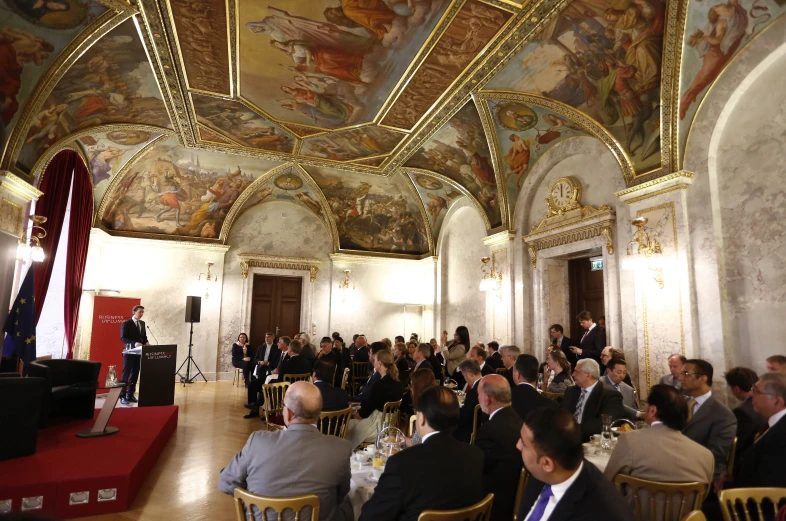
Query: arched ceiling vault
[{"x": 405, "y": 107}]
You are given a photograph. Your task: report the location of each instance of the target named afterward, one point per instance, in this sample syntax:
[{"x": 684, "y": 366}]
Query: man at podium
[{"x": 133, "y": 336}]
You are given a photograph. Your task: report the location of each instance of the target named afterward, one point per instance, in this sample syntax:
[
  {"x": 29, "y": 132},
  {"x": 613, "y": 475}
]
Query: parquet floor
[{"x": 184, "y": 483}]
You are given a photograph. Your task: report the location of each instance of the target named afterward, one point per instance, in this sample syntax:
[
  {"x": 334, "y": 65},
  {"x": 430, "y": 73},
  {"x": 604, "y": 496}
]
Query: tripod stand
[{"x": 187, "y": 379}]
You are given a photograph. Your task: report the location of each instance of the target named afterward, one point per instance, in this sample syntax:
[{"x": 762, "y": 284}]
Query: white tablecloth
[
  {"x": 361, "y": 488},
  {"x": 598, "y": 460}
]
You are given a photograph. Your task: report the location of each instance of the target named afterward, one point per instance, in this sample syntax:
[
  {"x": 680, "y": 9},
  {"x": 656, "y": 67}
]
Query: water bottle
[
  {"x": 111, "y": 377},
  {"x": 540, "y": 381}
]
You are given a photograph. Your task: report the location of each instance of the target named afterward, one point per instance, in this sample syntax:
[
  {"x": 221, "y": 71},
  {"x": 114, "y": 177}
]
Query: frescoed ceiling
[{"x": 384, "y": 112}]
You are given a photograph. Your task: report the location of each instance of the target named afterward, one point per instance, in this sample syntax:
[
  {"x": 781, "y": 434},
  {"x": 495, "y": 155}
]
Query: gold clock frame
[{"x": 575, "y": 198}]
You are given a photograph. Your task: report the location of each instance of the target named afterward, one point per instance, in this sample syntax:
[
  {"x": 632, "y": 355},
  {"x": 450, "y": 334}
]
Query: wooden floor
[{"x": 184, "y": 482}]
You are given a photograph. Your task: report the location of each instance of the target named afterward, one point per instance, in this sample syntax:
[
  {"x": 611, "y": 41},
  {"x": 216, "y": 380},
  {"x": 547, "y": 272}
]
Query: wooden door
[
  {"x": 586, "y": 293},
  {"x": 275, "y": 305}
]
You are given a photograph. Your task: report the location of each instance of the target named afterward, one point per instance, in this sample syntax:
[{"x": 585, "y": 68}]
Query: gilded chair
[
  {"x": 359, "y": 376},
  {"x": 475, "y": 424},
  {"x": 696, "y": 515},
  {"x": 273, "y": 406},
  {"x": 657, "y": 500},
  {"x": 520, "y": 491},
  {"x": 738, "y": 503},
  {"x": 477, "y": 512},
  {"x": 730, "y": 458},
  {"x": 557, "y": 397},
  {"x": 501, "y": 370},
  {"x": 390, "y": 414},
  {"x": 335, "y": 423},
  {"x": 246, "y": 501},
  {"x": 345, "y": 378},
  {"x": 238, "y": 376},
  {"x": 292, "y": 378}
]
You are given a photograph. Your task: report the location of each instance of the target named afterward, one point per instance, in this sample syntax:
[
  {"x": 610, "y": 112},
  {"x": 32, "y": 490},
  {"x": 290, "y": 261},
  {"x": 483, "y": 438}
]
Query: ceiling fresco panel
[
  {"x": 210, "y": 136},
  {"x": 459, "y": 150},
  {"x": 374, "y": 161},
  {"x": 470, "y": 31},
  {"x": 112, "y": 82},
  {"x": 352, "y": 144},
  {"x": 287, "y": 187},
  {"x": 437, "y": 196},
  {"x": 602, "y": 57},
  {"x": 328, "y": 65}
]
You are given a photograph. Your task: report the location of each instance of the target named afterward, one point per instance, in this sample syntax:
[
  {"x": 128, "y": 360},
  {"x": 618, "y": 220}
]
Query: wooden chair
[
  {"x": 390, "y": 413},
  {"x": 335, "y": 423},
  {"x": 345, "y": 378},
  {"x": 737, "y": 503},
  {"x": 477, "y": 512},
  {"x": 245, "y": 500},
  {"x": 292, "y": 378},
  {"x": 520, "y": 491},
  {"x": 359, "y": 376},
  {"x": 730, "y": 458},
  {"x": 696, "y": 515},
  {"x": 273, "y": 406},
  {"x": 501, "y": 370},
  {"x": 475, "y": 424},
  {"x": 661, "y": 495},
  {"x": 412, "y": 424},
  {"x": 238, "y": 375},
  {"x": 557, "y": 397}
]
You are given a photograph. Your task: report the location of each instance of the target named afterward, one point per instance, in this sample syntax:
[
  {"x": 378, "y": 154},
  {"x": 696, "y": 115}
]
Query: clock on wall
[{"x": 564, "y": 196}]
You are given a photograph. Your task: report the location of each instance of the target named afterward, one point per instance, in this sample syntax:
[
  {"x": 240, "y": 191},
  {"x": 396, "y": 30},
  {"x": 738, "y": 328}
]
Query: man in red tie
[{"x": 593, "y": 341}]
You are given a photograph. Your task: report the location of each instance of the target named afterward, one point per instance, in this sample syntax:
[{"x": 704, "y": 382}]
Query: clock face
[{"x": 561, "y": 194}]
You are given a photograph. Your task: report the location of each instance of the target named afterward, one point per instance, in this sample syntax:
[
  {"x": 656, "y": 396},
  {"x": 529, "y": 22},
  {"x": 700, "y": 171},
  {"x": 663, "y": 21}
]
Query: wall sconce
[
  {"x": 103, "y": 292},
  {"x": 208, "y": 278},
  {"x": 641, "y": 250},
  {"x": 346, "y": 284},
  {"x": 492, "y": 279},
  {"x": 25, "y": 251}
]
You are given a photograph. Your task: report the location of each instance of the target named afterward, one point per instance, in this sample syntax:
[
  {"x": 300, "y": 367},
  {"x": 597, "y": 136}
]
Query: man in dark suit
[
  {"x": 593, "y": 341},
  {"x": 563, "y": 343},
  {"x": 495, "y": 358},
  {"x": 294, "y": 364},
  {"x": 525, "y": 396},
  {"x": 361, "y": 349},
  {"x": 275, "y": 359},
  {"x": 589, "y": 400},
  {"x": 328, "y": 354},
  {"x": 307, "y": 351},
  {"x": 740, "y": 381},
  {"x": 333, "y": 398},
  {"x": 562, "y": 485},
  {"x": 764, "y": 463},
  {"x": 365, "y": 392},
  {"x": 266, "y": 357},
  {"x": 471, "y": 372},
  {"x": 509, "y": 355},
  {"x": 133, "y": 334},
  {"x": 479, "y": 355},
  {"x": 497, "y": 439},
  {"x": 406, "y": 487},
  {"x": 423, "y": 357}
]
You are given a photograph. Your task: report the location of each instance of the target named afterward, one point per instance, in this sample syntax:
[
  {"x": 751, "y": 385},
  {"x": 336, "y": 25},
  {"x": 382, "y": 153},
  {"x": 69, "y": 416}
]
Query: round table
[
  {"x": 599, "y": 460},
  {"x": 361, "y": 487}
]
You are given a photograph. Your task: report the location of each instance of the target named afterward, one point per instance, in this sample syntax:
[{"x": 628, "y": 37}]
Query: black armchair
[
  {"x": 20, "y": 413},
  {"x": 71, "y": 386}
]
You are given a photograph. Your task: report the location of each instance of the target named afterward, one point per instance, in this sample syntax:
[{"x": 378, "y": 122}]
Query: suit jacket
[
  {"x": 407, "y": 487},
  {"x": 384, "y": 390},
  {"x": 333, "y": 398},
  {"x": 309, "y": 352},
  {"x": 509, "y": 377},
  {"x": 463, "y": 431},
  {"x": 295, "y": 365},
  {"x": 713, "y": 426},
  {"x": 497, "y": 438},
  {"x": 437, "y": 367},
  {"x": 487, "y": 369},
  {"x": 669, "y": 379},
  {"x": 365, "y": 392},
  {"x": 526, "y": 399},
  {"x": 589, "y": 498},
  {"x": 361, "y": 355},
  {"x": 130, "y": 334},
  {"x": 259, "y": 356},
  {"x": 238, "y": 356},
  {"x": 495, "y": 361},
  {"x": 749, "y": 424},
  {"x": 564, "y": 344},
  {"x": 593, "y": 345},
  {"x": 600, "y": 401},
  {"x": 316, "y": 464},
  {"x": 763, "y": 464},
  {"x": 334, "y": 359},
  {"x": 628, "y": 397}
]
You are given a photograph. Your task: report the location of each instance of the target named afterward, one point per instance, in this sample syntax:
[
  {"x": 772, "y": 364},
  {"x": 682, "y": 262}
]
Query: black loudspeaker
[{"x": 193, "y": 308}]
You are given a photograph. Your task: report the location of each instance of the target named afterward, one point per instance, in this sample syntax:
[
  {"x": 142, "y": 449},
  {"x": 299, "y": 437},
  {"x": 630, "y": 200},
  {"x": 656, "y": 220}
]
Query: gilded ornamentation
[
  {"x": 10, "y": 217},
  {"x": 280, "y": 263},
  {"x": 608, "y": 234}
]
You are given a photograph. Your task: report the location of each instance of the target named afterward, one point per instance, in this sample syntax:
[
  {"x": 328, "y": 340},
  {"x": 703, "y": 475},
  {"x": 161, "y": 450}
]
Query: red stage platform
[{"x": 64, "y": 464}]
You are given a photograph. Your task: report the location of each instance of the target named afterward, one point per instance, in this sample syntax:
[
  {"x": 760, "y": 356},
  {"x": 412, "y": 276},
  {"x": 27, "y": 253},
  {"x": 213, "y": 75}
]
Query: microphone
[{"x": 151, "y": 332}]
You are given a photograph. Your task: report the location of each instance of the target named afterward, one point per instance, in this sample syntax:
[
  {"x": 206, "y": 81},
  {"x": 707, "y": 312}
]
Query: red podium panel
[{"x": 105, "y": 344}]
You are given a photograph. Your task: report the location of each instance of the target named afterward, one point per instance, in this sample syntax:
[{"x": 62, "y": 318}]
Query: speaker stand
[{"x": 187, "y": 379}]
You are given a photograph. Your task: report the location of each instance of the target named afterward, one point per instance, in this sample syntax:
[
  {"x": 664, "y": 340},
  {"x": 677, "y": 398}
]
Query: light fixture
[
  {"x": 102, "y": 292},
  {"x": 346, "y": 284},
  {"x": 24, "y": 250},
  {"x": 209, "y": 277},
  {"x": 492, "y": 279},
  {"x": 641, "y": 250}
]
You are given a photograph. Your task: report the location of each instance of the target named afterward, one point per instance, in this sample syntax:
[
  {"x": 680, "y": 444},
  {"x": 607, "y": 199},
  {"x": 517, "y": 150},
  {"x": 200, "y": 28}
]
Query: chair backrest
[
  {"x": 335, "y": 423},
  {"x": 292, "y": 378},
  {"x": 475, "y": 424},
  {"x": 501, "y": 370},
  {"x": 274, "y": 399},
  {"x": 345, "y": 378},
  {"x": 390, "y": 413},
  {"x": 738, "y": 503},
  {"x": 661, "y": 496},
  {"x": 730, "y": 458},
  {"x": 477, "y": 512},
  {"x": 696, "y": 515},
  {"x": 245, "y": 500},
  {"x": 520, "y": 490},
  {"x": 412, "y": 424},
  {"x": 359, "y": 375},
  {"x": 557, "y": 397}
]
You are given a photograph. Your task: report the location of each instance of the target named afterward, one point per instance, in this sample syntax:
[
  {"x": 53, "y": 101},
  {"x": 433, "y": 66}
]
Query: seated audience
[
  {"x": 563, "y": 343},
  {"x": 344, "y": 355},
  {"x": 324, "y": 460},
  {"x": 497, "y": 439},
  {"x": 402, "y": 362},
  {"x": 328, "y": 354},
  {"x": 661, "y": 453},
  {"x": 471, "y": 372},
  {"x": 365, "y": 391},
  {"x": 241, "y": 358},
  {"x": 509, "y": 355},
  {"x": 616, "y": 371},
  {"x": 421, "y": 380},
  {"x": 439, "y": 474},
  {"x": 255, "y": 386},
  {"x": 388, "y": 343},
  {"x": 562, "y": 485},
  {"x": 750, "y": 424},
  {"x": 588, "y": 400},
  {"x": 479, "y": 355},
  {"x": 764, "y": 463},
  {"x": 495, "y": 358},
  {"x": 423, "y": 356},
  {"x": 558, "y": 362},
  {"x": 363, "y": 426},
  {"x": 333, "y": 398},
  {"x": 361, "y": 349},
  {"x": 295, "y": 364},
  {"x": 525, "y": 396},
  {"x": 710, "y": 423},
  {"x": 676, "y": 361},
  {"x": 307, "y": 351},
  {"x": 612, "y": 352},
  {"x": 399, "y": 339},
  {"x": 776, "y": 364}
]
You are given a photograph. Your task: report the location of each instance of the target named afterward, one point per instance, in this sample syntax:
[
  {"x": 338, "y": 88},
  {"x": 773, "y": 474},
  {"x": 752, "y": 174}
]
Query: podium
[{"x": 156, "y": 385}]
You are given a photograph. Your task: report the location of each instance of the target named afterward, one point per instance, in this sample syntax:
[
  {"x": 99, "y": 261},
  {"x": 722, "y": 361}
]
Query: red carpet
[{"x": 64, "y": 464}]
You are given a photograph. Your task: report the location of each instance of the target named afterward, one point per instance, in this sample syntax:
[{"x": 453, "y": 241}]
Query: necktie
[
  {"x": 691, "y": 405},
  {"x": 580, "y": 406},
  {"x": 585, "y": 336},
  {"x": 139, "y": 326},
  {"x": 616, "y": 387},
  {"x": 540, "y": 506}
]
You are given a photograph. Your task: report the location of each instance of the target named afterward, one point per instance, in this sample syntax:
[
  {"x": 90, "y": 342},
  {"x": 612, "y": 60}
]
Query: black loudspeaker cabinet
[{"x": 193, "y": 308}]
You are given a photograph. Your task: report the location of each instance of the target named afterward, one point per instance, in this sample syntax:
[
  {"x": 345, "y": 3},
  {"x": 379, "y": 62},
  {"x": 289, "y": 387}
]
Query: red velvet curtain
[{"x": 78, "y": 240}]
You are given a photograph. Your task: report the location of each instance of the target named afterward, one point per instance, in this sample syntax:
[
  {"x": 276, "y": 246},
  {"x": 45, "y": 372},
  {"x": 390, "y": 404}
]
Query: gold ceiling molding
[
  {"x": 499, "y": 238},
  {"x": 676, "y": 181},
  {"x": 19, "y": 187},
  {"x": 362, "y": 257},
  {"x": 150, "y": 240},
  {"x": 250, "y": 260},
  {"x": 677, "y": 17},
  {"x": 487, "y": 120}
]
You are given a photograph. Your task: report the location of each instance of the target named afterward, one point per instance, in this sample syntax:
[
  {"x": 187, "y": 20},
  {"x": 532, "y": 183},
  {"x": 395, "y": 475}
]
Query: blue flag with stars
[{"x": 20, "y": 324}]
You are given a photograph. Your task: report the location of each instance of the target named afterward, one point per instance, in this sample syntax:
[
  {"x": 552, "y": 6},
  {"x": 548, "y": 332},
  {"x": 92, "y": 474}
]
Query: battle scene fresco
[
  {"x": 241, "y": 124},
  {"x": 459, "y": 150},
  {"x": 328, "y": 63},
  {"x": 287, "y": 187},
  {"x": 30, "y": 39},
  {"x": 202, "y": 35},
  {"x": 602, "y": 57},
  {"x": 374, "y": 213},
  {"x": 437, "y": 196},
  {"x": 174, "y": 190},
  {"x": 112, "y": 82},
  {"x": 352, "y": 144}
]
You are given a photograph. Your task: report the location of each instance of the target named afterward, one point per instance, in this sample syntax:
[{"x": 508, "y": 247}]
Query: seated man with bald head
[{"x": 316, "y": 464}]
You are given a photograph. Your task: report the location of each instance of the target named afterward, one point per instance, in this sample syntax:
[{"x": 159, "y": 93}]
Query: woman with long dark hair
[
  {"x": 456, "y": 351},
  {"x": 241, "y": 356}
]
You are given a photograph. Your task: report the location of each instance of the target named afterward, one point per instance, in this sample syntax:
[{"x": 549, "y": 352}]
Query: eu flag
[{"x": 20, "y": 324}]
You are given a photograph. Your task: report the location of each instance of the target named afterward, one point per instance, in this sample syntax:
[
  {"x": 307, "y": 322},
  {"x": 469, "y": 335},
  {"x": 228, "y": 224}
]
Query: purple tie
[{"x": 540, "y": 506}]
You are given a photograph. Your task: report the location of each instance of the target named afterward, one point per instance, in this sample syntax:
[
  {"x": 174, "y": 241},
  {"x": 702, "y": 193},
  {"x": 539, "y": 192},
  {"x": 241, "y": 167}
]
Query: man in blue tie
[{"x": 563, "y": 486}]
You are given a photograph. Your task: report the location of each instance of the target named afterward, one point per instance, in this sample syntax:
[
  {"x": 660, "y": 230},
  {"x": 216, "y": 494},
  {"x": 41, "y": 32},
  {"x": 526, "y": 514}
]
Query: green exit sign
[{"x": 596, "y": 264}]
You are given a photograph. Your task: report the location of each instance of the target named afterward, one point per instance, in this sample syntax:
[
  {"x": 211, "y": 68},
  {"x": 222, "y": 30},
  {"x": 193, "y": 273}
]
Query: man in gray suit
[
  {"x": 676, "y": 362},
  {"x": 315, "y": 464},
  {"x": 616, "y": 371},
  {"x": 710, "y": 423}
]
